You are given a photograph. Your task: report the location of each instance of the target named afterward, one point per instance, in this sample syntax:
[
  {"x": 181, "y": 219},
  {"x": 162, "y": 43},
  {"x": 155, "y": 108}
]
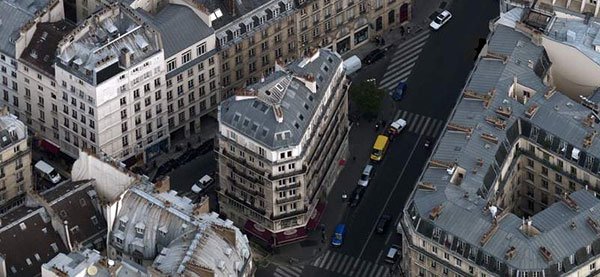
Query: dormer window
[
  {"x": 140, "y": 228},
  {"x": 123, "y": 222}
]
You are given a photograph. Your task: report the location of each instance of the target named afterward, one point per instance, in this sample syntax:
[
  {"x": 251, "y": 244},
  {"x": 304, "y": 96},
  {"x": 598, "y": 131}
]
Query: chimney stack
[{"x": 125, "y": 57}]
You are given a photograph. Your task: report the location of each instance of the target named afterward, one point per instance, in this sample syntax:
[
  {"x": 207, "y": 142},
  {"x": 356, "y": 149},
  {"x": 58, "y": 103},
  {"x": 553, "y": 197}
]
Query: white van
[
  {"x": 352, "y": 64},
  {"x": 202, "y": 184},
  {"x": 366, "y": 175},
  {"x": 48, "y": 172}
]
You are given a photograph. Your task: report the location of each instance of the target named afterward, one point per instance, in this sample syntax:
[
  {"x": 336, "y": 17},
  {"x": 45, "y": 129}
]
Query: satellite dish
[{"x": 92, "y": 270}]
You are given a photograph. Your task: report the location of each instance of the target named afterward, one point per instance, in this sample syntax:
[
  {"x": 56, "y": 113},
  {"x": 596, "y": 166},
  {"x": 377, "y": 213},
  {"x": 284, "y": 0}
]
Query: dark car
[
  {"x": 374, "y": 56},
  {"x": 383, "y": 222},
  {"x": 356, "y": 196},
  {"x": 399, "y": 91}
]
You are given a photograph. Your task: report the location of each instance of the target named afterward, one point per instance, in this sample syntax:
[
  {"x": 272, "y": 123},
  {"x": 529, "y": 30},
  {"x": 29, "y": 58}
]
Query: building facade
[
  {"x": 15, "y": 165},
  {"x": 280, "y": 141},
  {"x": 512, "y": 186}
]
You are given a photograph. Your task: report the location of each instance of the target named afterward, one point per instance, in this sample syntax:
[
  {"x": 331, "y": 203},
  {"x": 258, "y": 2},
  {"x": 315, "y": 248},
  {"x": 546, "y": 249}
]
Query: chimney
[
  {"x": 162, "y": 185},
  {"x": 493, "y": 211},
  {"x": 125, "y": 57},
  {"x": 68, "y": 236}
]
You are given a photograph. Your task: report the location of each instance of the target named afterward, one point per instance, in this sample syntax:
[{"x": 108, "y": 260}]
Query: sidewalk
[{"x": 421, "y": 12}]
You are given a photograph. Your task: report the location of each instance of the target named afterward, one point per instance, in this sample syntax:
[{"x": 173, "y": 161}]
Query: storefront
[
  {"x": 361, "y": 35},
  {"x": 343, "y": 45}
]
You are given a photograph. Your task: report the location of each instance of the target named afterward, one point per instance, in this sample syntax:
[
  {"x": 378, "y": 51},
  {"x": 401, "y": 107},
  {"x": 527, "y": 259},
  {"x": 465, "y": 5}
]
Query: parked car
[
  {"x": 203, "y": 184},
  {"x": 398, "y": 92},
  {"x": 366, "y": 175},
  {"x": 396, "y": 127},
  {"x": 374, "y": 56},
  {"x": 357, "y": 196},
  {"x": 48, "y": 172},
  {"x": 392, "y": 254},
  {"x": 338, "y": 235},
  {"x": 383, "y": 222},
  {"x": 440, "y": 20}
]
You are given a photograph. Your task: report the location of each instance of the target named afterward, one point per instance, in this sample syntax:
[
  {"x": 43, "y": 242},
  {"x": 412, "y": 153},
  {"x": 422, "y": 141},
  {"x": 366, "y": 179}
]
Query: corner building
[
  {"x": 280, "y": 145},
  {"x": 511, "y": 188}
]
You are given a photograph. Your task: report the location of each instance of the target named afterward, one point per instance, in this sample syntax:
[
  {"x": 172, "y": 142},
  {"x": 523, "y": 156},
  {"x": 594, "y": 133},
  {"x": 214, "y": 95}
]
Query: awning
[
  {"x": 49, "y": 146},
  {"x": 290, "y": 236},
  {"x": 258, "y": 231},
  {"x": 315, "y": 218}
]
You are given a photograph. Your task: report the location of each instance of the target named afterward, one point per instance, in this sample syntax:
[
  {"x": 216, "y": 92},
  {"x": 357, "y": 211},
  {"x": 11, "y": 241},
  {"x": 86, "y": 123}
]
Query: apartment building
[
  {"x": 192, "y": 86},
  {"x": 343, "y": 25},
  {"x": 280, "y": 141},
  {"x": 15, "y": 161},
  {"x": 111, "y": 75},
  {"x": 512, "y": 186}
]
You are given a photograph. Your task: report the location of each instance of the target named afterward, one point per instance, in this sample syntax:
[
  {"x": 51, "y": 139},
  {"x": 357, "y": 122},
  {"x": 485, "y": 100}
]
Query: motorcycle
[{"x": 427, "y": 143}]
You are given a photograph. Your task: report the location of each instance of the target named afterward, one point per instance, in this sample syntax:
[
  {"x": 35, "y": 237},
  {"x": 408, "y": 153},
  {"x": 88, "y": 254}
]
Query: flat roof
[{"x": 41, "y": 51}]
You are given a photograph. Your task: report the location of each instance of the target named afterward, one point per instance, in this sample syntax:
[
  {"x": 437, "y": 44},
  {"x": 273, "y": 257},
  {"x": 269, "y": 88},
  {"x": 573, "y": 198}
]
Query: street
[{"x": 435, "y": 65}]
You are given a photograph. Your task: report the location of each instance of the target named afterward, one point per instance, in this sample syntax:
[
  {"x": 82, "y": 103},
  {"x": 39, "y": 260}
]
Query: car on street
[
  {"x": 374, "y": 56},
  {"x": 338, "y": 235},
  {"x": 398, "y": 92},
  {"x": 383, "y": 222},
  {"x": 396, "y": 127},
  {"x": 356, "y": 196},
  {"x": 440, "y": 20},
  {"x": 392, "y": 254},
  {"x": 203, "y": 184},
  {"x": 366, "y": 175}
]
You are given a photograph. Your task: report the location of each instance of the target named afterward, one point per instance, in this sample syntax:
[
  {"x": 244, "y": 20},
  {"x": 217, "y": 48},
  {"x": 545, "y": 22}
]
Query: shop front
[{"x": 361, "y": 35}]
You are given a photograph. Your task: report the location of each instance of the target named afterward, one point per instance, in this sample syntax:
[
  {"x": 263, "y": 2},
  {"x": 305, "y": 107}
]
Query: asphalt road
[{"x": 433, "y": 88}]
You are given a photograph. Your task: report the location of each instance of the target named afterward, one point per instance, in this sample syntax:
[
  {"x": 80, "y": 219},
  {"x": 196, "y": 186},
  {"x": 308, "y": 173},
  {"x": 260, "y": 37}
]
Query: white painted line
[
  {"x": 382, "y": 268},
  {"x": 297, "y": 269},
  {"x": 415, "y": 51},
  {"x": 438, "y": 127},
  {"x": 410, "y": 117},
  {"x": 418, "y": 37},
  {"x": 322, "y": 261},
  {"x": 402, "y": 115},
  {"x": 424, "y": 126},
  {"x": 342, "y": 264},
  {"x": 379, "y": 256},
  {"x": 359, "y": 268},
  {"x": 387, "y": 240},
  {"x": 387, "y": 201},
  {"x": 391, "y": 84},
  {"x": 280, "y": 273},
  {"x": 395, "y": 72},
  {"x": 289, "y": 271},
  {"x": 434, "y": 127},
  {"x": 421, "y": 122},
  {"x": 349, "y": 266},
  {"x": 415, "y": 122},
  {"x": 367, "y": 269},
  {"x": 375, "y": 268},
  {"x": 331, "y": 260}
]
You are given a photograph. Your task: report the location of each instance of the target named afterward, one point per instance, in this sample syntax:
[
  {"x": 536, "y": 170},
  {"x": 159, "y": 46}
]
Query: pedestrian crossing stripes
[
  {"x": 349, "y": 266},
  {"x": 420, "y": 124},
  {"x": 288, "y": 271},
  {"x": 404, "y": 60}
]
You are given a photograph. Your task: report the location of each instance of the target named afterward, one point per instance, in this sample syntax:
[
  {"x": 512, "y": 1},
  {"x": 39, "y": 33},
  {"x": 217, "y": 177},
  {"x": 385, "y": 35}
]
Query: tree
[{"x": 367, "y": 97}]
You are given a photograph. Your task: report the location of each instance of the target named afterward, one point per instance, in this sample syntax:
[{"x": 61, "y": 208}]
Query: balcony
[
  {"x": 244, "y": 203},
  {"x": 244, "y": 188},
  {"x": 243, "y": 174},
  {"x": 290, "y": 214},
  {"x": 240, "y": 161},
  {"x": 288, "y": 199},
  {"x": 290, "y": 186},
  {"x": 273, "y": 177}
]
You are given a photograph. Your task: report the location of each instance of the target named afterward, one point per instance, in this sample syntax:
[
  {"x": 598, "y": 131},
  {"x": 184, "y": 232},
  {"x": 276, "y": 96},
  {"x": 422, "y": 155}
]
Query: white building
[
  {"x": 111, "y": 74},
  {"x": 89, "y": 263}
]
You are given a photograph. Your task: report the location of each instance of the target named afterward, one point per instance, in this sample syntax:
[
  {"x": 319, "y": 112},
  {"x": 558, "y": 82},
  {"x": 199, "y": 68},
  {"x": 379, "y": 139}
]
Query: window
[
  {"x": 171, "y": 65},
  {"x": 201, "y": 49},
  {"x": 123, "y": 101},
  {"x": 186, "y": 57},
  {"x": 458, "y": 262},
  {"x": 125, "y": 141},
  {"x": 544, "y": 171}
]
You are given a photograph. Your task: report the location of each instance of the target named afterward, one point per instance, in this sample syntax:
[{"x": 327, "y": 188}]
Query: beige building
[
  {"x": 280, "y": 142},
  {"x": 512, "y": 186},
  {"x": 15, "y": 161}
]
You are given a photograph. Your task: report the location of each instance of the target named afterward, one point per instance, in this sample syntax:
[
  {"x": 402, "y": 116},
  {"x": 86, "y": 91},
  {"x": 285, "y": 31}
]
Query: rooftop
[
  {"x": 41, "y": 51},
  {"x": 507, "y": 79},
  {"x": 277, "y": 111},
  {"x": 110, "y": 41},
  {"x": 13, "y": 15},
  {"x": 574, "y": 31},
  {"x": 91, "y": 263},
  {"x": 12, "y": 130},
  {"x": 230, "y": 9},
  {"x": 179, "y": 26}
]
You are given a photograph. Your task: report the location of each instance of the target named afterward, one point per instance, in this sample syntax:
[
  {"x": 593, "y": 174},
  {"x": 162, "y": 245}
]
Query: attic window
[
  {"x": 54, "y": 247},
  {"x": 306, "y": 106},
  {"x": 326, "y": 68},
  {"x": 82, "y": 202},
  {"x": 246, "y": 122},
  {"x": 94, "y": 220},
  {"x": 320, "y": 78},
  {"x": 236, "y": 117},
  {"x": 254, "y": 127},
  {"x": 329, "y": 59},
  {"x": 63, "y": 213},
  {"x": 301, "y": 116},
  {"x": 311, "y": 98},
  {"x": 37, "y": 257},
  {"x": 264, "y": 132},
  {"x": 23, "y": 226},
  {"x": 279, "y": 136},
  {"x": 296, "y": 125}
]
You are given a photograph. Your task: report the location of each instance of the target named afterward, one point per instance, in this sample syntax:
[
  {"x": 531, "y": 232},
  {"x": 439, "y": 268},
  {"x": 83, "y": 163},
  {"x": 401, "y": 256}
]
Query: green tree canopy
[{"x": 367, "y": 97}]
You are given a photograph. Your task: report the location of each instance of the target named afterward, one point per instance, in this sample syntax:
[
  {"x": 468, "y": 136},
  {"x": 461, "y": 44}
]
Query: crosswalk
[
  {"x": 420, "y": 124},
  {"x": 349, "y": 265},
  {"x": 289, "y": 271},
  {"x": 404, "y": 59}
]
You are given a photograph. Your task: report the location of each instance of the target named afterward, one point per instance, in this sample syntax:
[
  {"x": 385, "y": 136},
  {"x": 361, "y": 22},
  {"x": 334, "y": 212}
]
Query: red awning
[
  {"x": 50, "y": 146},
  {"x": 315, "y": 218},
  {"x": 290, "y": 236},
  {"x": 258, "y": 231}
]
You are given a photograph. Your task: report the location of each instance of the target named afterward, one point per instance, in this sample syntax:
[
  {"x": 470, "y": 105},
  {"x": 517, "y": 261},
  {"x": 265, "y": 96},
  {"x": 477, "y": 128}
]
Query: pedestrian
[
  {"x": 354, "y": 158},
  {"x": 382, "y": 41}
]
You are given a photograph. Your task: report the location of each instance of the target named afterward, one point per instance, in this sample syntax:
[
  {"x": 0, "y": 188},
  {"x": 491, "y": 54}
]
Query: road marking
[
  {"x": 341, "y": 264},
  {"x": 349, "y": 266},
  {"x": 331, "y": 260},
  {"x": 380, "y": 254},
  {"x": 323, "y": 260},
  {"x": 409, "y": 50},
  {"x": 366, "y": 269},
  {"x": 374, "y": 269},
  {"x": 379, "y": 271},
  {"x": 404, "y": 43},
  {"x": 424, "y": 126},
  {"x": 417, "y": 144},
  {"x": 393, "y": 78},
  {"x": 284, "y": 271}
]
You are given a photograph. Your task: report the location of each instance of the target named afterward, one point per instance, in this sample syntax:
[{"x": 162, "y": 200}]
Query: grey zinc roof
[
  {"x": 255, "y": 118},
  {"x": 13, "y": 15},
  {"x": 240, "y": 8},
  {"x": 463, "y": 204},
  {"x": 574, "y": 32},
  {"x": 179, "y": 26}
]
